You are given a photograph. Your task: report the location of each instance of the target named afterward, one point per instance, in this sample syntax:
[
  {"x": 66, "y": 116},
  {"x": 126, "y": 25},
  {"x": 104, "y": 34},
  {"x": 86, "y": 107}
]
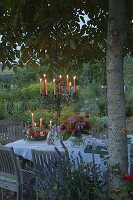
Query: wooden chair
[
  {"x": 10, "y": 132},
  {"x": 11, "y": 176},
  {"x": 40, "y": 160}
]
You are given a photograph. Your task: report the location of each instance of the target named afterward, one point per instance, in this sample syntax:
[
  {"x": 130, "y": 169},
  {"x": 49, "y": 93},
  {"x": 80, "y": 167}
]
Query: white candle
[
  {"x": 67, "y": 83},
  {"x": 32, "y": 119},
  {"x": 46, "y": 90},
  {"x": 60, "y": 87},
  {"x": 50, "y": 123},
  {"x": 74, "y": 84},
  {"x": 44, "y": 77}
]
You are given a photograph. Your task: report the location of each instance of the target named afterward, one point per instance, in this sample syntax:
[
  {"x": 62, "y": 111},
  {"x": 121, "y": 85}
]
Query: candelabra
[{"x": 62, "y": 92}]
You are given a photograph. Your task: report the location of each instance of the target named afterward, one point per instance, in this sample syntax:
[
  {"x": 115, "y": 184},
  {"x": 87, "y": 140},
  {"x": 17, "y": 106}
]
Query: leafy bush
[
  {"x": 2, "y": 111},
  {"x": 102, "y": 105},
  {"x": 129, "y": 104}
]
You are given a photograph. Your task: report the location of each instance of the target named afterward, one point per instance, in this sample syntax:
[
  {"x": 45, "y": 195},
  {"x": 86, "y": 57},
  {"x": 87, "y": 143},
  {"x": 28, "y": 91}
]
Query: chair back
[
  {"x": 8, "y": 164},
  {"x": 10, "y": 131},
  {"x": 43, "y": 158}
]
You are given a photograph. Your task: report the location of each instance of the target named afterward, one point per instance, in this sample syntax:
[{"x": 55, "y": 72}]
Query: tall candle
[
  {"x": 44, "y": 77},
  {"x": 74, "y": 84},
  {"x": 60, "y": 87},
  {"x": 32, "y": 119},
  {"x": 54, "y": 86},
  {"x": 50, "y": 123},
  {"x": 67, "y": 83},
  {"x": 40, "y": 85},
  {"x": 46, "y": 90},
  {"x": 69, "y": 92},
  {"x": 40, "y": 123}
]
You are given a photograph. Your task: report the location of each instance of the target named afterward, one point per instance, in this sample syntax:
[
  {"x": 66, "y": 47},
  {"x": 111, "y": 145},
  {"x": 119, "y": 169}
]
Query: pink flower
[{"x": 36, "y": 134}]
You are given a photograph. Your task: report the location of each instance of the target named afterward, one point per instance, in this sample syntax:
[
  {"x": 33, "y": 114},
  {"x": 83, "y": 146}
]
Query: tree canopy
[{"x": 63, "y": 33}]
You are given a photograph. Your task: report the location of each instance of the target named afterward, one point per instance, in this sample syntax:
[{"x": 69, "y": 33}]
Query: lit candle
[
  {"x": 40, "y": 123},
  {"x": 67, "y": 83},
  {"x": 50, "y": 123},
  {"x": 40, "y": 85},
  {"x": 74, "y": 84},
  {"x": 60, "y": 87},
  {"x": 46, "y": 91},
  {"x": 69, "y": 92},
  {"x": 33, "y": 123},
  {"x": 54, "y": 86},
  {"x": 44, "y": 77}
]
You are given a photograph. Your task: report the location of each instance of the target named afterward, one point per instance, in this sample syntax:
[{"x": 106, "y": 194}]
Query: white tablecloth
[{"x": 23, "y": 148}]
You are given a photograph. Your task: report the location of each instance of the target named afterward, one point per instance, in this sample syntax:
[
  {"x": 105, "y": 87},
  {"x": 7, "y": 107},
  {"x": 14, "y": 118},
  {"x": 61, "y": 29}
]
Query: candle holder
[
  {"x": 56, "y": 100},
  {"x": 61, "y": 93}
]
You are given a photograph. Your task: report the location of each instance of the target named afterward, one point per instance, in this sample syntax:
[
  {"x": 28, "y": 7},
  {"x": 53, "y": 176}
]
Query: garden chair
[
  {"x": 41, "y": 158},
  {"x": 43, "y": 161},
  {"x": 11, "y": 176},
  {"x": 10, "y": 132}
]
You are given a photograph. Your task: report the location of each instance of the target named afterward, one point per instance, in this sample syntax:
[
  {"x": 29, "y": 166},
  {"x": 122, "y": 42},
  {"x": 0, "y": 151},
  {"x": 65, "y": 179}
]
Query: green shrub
[
  {"x": 2, "y": 110},
  {"x": 129, "y": 104},
  {"x": 102, "y": 104}
]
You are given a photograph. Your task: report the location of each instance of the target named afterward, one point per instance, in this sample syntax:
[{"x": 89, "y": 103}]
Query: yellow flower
[{"x": 123, "y": 130}]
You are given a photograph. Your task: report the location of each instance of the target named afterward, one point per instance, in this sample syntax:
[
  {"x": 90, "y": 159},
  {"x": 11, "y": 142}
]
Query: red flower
[
  {"x": 87, "y": 126},
  {"x": 44, "y": 132},
  {"x": 63, "y": 127},
  {"x": 127, "y": 177},
  {"x": 87, "y": 116},
  {"x": 36, "y": 134}
]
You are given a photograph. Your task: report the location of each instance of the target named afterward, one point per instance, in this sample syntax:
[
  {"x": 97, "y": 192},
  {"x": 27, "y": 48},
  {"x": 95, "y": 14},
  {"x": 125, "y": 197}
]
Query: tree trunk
[{"x": 115, "y": 91}]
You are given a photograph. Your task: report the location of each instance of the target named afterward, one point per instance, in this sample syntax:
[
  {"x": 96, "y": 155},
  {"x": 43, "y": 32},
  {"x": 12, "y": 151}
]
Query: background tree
[{"x": 115, "y": 91}]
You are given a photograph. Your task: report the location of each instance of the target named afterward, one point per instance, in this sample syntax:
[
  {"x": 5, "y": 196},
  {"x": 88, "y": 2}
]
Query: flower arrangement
[
  {"x": 35, "y": 134},
  {"x": 75, "y": 126}
]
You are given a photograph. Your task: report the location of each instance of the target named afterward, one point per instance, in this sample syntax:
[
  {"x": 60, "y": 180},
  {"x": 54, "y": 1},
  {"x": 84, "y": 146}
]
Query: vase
[{"x": 77, "y": 140}]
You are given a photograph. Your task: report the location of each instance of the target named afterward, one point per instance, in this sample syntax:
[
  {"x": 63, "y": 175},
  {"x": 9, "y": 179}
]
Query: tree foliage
[{"x": 51, "y": 32}]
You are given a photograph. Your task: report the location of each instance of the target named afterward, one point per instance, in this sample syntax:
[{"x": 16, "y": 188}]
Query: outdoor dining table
[{"x": 24, "y": 148}]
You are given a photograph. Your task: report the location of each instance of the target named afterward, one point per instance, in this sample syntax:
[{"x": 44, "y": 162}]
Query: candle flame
[
  {"x": 70, "y": 83},
  {"x": 60, "y": 76},
  {"x": 44, "y": 75},
  {"x": 40, "y": 80},
  {"x": 67, "y": 76},
  {"x": 54, "y": 80},
  {"x": 74, "y": 77},
  {"x": 32, "y": 114}
]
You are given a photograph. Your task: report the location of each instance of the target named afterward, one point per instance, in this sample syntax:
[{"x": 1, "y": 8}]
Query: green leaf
[
  {"x": 15, "y": 69},
  {"x": 72, "y": 44}
]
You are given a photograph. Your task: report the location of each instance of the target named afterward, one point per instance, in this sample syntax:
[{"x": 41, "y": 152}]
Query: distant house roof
[{"x": 6, "y": 73}]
